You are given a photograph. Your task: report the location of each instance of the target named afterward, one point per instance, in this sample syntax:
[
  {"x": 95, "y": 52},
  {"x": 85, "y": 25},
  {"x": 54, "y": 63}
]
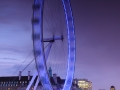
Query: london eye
[{"x": 54, "y": 42}]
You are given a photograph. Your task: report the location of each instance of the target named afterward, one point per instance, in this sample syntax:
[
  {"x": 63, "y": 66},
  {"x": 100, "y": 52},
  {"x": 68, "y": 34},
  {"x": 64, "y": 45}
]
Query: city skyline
[{"x": 97, "y": 27}]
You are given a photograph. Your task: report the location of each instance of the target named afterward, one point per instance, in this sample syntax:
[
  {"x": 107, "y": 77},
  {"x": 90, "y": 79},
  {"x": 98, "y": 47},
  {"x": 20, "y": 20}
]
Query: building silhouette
[
  {"x": 112, "y": 88},
  {"x": 84, "y": 84},
  {"x": 21, "y": 82}
]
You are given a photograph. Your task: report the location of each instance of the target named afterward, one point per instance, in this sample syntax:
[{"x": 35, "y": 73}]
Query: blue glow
[
  {"x": 69, "y": 77},
  {"x": 40, "y": 61},
  {"x": 71, "y": 48}
]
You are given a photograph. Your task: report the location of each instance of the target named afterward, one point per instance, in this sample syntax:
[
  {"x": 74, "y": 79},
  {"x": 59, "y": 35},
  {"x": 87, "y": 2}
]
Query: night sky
[{"x": 97, "y": 27}]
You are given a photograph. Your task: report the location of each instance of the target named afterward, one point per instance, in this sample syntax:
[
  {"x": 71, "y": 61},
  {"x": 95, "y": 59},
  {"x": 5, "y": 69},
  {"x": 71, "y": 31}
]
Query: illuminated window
[
  {"x": 8, "y": 84},
  {"x": 81, "y": 81},
  {"x": 84, "y": 84},
  {"x": 22, "y": 84},
  {"x": 1, "y": 85}
]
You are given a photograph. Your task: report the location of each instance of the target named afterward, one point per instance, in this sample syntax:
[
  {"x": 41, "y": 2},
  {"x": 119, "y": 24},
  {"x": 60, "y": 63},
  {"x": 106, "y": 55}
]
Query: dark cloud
[
  {"x": 12, "y": 12},
  {"x": 97, "y": 25}
]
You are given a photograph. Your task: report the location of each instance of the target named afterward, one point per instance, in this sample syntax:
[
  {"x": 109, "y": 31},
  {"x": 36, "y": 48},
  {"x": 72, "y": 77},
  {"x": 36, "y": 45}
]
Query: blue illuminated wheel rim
[{"x": 37, "y": 24}]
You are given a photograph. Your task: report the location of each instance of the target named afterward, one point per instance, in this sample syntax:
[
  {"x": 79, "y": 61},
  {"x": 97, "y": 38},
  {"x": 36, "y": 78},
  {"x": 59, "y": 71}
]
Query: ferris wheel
[{"x": 53, "y": 41}]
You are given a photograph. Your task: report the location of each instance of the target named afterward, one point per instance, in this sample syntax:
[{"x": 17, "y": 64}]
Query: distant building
[
  {"x": 13, "y": 83},
  {"x": 84, "y": 84},
  {"x": 21, "y": 82},
  {"x": 16, "y": 83},
  {"x": 112, "y": 88}
]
